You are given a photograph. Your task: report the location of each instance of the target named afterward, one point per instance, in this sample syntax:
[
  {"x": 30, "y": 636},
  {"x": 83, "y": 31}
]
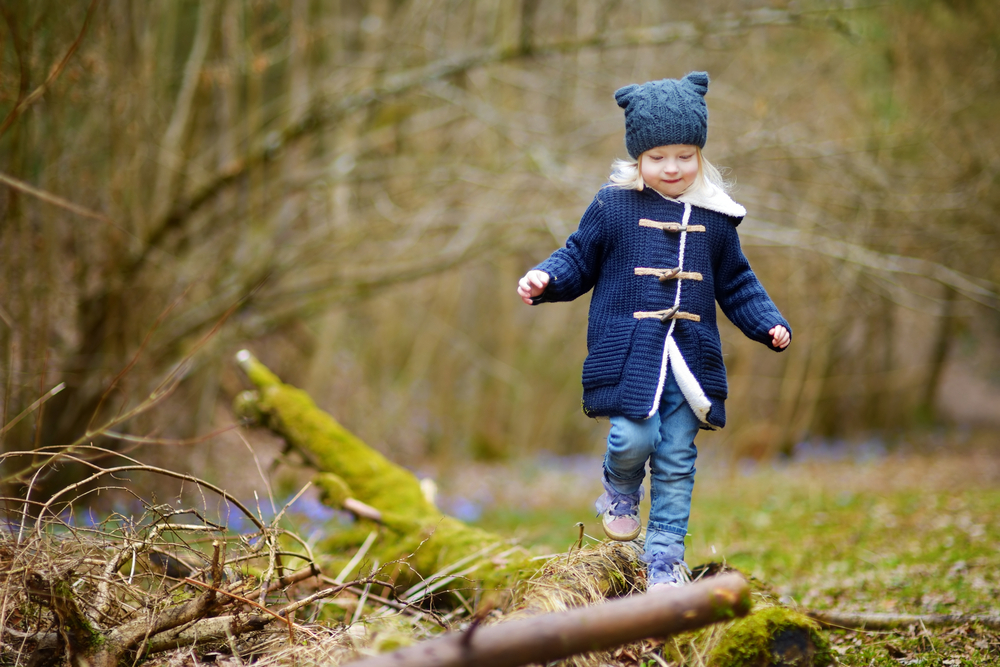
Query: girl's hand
[
  {"x": 532, "y": 284},
  {"x": 780, "y": 337}
]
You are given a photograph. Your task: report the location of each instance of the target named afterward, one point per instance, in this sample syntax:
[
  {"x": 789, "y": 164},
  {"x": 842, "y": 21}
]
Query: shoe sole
[
  {"x": 622, "y": 537},
  {"x": 656, "y": 589}
]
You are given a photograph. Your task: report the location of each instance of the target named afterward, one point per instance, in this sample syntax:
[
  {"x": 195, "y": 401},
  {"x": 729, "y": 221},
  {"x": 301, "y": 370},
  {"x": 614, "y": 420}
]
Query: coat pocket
[
  {"x": 713, "y": 368},
  {"x": 605, "y": 363}
]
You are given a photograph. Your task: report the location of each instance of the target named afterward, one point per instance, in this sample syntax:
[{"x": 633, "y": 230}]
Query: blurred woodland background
[{"x": 351, "y": 189}]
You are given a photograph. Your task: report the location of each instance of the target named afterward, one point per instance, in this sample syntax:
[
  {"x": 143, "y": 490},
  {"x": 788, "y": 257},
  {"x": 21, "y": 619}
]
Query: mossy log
[
  {"x": 772, "y": 635},
  {"x": 410, "y": 528},
  {"x": 81, "y": 644}
]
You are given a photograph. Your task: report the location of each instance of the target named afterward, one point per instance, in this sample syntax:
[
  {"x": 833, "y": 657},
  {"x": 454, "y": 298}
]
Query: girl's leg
[
  {"x": 629, "y": 445},
  {"x": 672, "y": 472}
]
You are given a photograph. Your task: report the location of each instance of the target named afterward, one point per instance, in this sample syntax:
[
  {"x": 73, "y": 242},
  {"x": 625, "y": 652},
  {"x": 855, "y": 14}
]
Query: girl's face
[{"x": 670, "y": 170}]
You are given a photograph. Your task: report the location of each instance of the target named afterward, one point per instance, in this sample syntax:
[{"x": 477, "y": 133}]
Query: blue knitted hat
[{"x": 665, "y": 112}]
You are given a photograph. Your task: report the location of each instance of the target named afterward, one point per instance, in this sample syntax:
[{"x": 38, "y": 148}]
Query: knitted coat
[{"x": 655, "y": 288}]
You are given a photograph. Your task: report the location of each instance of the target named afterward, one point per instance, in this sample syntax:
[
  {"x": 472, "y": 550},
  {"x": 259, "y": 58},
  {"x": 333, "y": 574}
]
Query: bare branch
[
  {"x": 973, "y": 288},
  {"x": 129, "y": 635},
  {"x": 25, "y": 102},
  {"x": 171, "y": 150},
  {"x": 543, "y": 638},
  {"x": 31, "y": 408},
  {"x": 56, "y": 200},
  {"x": 240, "y": 598},
  {"x": 102, "y": 472}
]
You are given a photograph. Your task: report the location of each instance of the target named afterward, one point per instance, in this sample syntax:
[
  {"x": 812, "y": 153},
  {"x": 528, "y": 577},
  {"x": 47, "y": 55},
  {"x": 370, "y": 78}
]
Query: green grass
[
  {"x": 906, "y": 533},
  {"x": 824, "y": 543},
  {"x": 895, "y": 551}
]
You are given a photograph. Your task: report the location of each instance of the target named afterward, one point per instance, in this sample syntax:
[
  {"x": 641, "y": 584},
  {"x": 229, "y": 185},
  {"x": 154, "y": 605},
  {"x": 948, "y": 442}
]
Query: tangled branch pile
[
  {"x": 170, "y": 581},
  {"x": 131, "y": 586}
]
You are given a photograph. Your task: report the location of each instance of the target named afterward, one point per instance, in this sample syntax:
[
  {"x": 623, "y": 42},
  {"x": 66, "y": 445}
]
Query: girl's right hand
[{"x": 532, "y": 285}]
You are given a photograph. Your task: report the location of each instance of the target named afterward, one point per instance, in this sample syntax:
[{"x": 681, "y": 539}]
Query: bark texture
[{"x": 554, "y": 636}]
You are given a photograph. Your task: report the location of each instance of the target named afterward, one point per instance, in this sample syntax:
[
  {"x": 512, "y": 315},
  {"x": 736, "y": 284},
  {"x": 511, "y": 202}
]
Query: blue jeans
[{"x": 666, "y": 440}]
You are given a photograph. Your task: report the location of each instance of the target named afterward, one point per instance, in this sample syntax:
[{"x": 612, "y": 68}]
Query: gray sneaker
[{"x": 619, "y": 513}]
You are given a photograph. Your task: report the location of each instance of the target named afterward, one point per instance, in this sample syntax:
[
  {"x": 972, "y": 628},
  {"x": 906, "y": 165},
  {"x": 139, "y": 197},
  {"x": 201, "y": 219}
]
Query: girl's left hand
[{"x": 780, "y": 338}]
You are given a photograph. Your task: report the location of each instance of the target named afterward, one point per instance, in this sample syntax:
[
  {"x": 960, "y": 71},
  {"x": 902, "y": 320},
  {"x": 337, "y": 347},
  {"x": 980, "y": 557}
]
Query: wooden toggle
[
  {"x": 668, "y": 274},
  {"x": 666, "y": 315},
  {"x": 671, "y": 226}
]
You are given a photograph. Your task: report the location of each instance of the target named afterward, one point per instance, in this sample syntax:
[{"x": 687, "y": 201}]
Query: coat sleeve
[
  {"x": 573, "y": 270},
  {"x": 741, "y": 295}
]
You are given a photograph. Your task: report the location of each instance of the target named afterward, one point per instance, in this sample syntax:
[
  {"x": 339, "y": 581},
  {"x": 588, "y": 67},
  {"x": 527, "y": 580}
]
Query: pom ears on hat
[
  {"x": 623, "y": 96},
  {"x": 698, "y": 81}
]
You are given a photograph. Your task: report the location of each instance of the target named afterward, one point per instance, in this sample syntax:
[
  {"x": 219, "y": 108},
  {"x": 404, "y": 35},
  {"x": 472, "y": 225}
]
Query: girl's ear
[
  {"x": 623, "y": 96},
  {"x": 638, "y": 174}
]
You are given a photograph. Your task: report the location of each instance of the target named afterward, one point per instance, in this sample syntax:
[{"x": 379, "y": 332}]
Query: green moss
[
  {"x": 74, "y": 623},
  {"x": 333, "y": 489},
  {"x": 388, "y": 634},
  {"x": 433, "y": 546},
  {"x": 618, "y": 581},
  {"x": 245, "y": 407},
  {"x": 750, "y": 642},
  {"x": 370, "y": 476},
  {"x": 257, "y": 372}
]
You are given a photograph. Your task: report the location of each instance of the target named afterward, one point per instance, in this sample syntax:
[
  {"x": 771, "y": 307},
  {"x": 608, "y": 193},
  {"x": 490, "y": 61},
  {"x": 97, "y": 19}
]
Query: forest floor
[{"x": 911, "y": 530}]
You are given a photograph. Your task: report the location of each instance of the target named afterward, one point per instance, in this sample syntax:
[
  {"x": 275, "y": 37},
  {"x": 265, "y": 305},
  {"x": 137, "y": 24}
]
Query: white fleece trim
[
  {"x": 670, "y": 331},
  {"x": 712, "y": 197},
  {"x": 663, "y": 370},
  {"x": 693, "y": 393},
  {"x": 672, "y": 357}
]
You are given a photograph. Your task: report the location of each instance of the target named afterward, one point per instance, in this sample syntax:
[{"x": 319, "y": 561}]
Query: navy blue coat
[{"x": 618, "y": 251}]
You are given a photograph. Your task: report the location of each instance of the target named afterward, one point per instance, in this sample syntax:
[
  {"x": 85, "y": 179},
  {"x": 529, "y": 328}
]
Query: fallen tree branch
[
  {"x": 129, "y": 635},
  {"x": 325, "y": 593},
  {"x": 542, "y": 638},
  {"x": 242, "y": 599},
  {"x": 289, "y": 579},
  {"x": 867, "y": 621},
  {"x": 206, "y": 631}
]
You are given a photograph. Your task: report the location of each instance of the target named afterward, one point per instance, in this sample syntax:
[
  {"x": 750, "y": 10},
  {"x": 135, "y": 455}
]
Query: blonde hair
[{"x": 627, "y": 175}]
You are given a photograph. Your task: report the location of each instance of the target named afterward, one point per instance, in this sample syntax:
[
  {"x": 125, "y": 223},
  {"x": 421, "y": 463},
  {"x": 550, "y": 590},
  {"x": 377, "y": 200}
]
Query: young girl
[{"x": 658, "y": 245}]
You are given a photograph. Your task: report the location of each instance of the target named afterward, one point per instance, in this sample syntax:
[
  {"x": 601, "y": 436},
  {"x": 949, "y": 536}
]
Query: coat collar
[{"x": 710, "y": 197}]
